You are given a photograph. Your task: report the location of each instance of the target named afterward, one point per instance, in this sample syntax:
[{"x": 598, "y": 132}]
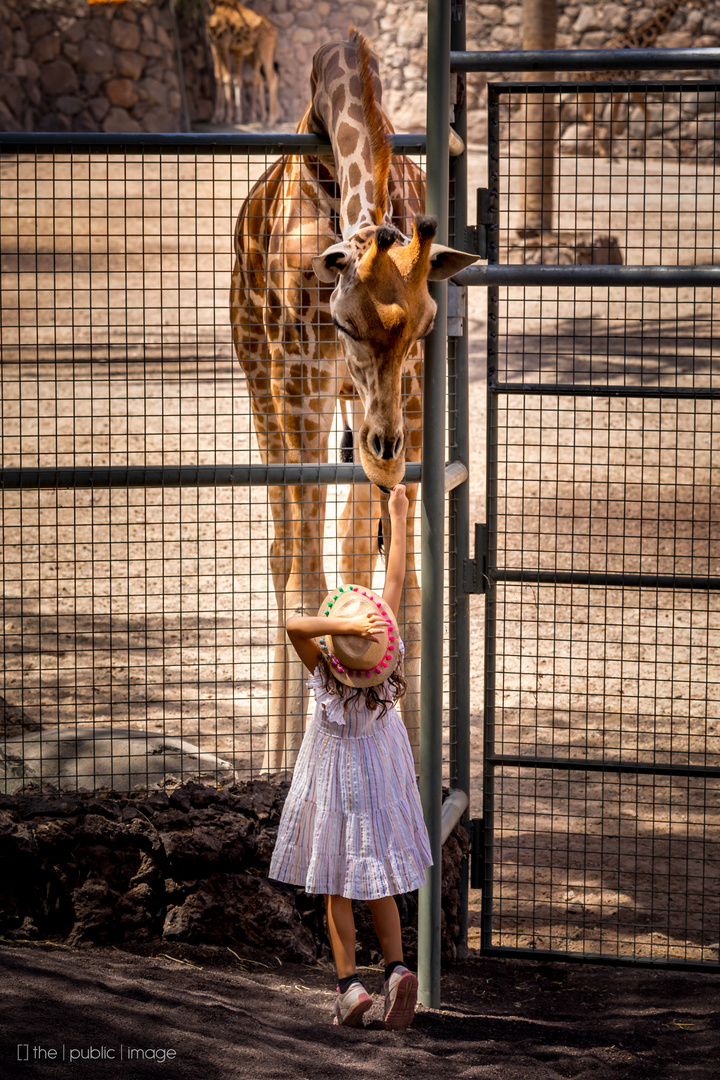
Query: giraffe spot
[
  {"x": 369, "y": 191},
  {"x": 352, "y": 210},
  {"x": 355, "y": 87},
  {"x": 347, "y": 137},
  {"x": 355, "y": 112},
  {"x": 354, "y": 175}
]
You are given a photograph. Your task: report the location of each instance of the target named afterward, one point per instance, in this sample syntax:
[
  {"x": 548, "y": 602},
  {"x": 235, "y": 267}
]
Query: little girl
[{"x": 352, "y": 825}]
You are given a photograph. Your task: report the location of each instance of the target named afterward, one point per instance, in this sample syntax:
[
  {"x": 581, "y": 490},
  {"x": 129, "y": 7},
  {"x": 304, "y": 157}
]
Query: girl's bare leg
[
  {"x": 341, "y": 927},
  {"x": 386, "y": 917}
]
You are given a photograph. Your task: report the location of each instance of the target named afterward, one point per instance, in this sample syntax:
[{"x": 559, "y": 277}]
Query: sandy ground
[{"x": 152, "y": 608}]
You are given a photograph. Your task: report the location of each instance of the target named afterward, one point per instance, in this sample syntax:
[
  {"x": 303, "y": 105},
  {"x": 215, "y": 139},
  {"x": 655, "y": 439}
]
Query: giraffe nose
[{"x": 386, "y": 449}]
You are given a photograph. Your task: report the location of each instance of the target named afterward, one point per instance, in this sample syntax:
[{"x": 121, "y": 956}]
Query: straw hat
[{"x": 354, "y": 660}]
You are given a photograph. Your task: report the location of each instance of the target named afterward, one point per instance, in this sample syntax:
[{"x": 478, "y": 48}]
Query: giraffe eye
[{"x": 345, "y": 330}]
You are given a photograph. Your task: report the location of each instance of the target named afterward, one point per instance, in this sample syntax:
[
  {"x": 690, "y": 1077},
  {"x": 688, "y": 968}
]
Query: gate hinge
[
  {"x": 477, "y": 852},
  {"x": 476, "y": 569},
  {"x": 476, "y": 236}
]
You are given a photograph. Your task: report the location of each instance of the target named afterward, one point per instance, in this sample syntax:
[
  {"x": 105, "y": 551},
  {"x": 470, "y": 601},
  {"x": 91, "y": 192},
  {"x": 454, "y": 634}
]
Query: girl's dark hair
[{"x": 375, "y": 696}]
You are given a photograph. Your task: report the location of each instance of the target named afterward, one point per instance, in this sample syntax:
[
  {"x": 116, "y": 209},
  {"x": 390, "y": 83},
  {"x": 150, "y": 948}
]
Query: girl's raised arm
[
  {"x": 303, "y": 629},
  {"x": 395, "y": 574}
]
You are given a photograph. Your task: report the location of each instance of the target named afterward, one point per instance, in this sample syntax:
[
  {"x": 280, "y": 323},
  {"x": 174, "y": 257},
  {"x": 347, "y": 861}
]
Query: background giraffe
[
  {"x": 643, "y": 36},
  {"x": 327, "y": 251},
  {"x": 236, "y": 34}
]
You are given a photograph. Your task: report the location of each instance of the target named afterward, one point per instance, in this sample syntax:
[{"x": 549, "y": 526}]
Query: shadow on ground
[{"x": 225, "y": 1016}]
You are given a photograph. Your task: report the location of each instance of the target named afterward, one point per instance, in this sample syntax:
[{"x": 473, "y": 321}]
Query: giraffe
[
  {"x": 236, "y": 33},
  {"x": 643, "y": 36},
  {"x": 328, "y": 302}
]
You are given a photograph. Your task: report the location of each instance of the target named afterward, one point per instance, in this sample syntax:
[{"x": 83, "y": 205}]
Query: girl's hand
[
  {"x": 398, "y": 502},
  {"x": 366, "y": 626}
]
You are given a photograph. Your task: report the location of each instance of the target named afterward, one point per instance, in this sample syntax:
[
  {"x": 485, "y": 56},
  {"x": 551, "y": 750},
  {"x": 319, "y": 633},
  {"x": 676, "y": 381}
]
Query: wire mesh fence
[
  {"x": 139, "y": 607},
  {"x": 604, "y": 752}
]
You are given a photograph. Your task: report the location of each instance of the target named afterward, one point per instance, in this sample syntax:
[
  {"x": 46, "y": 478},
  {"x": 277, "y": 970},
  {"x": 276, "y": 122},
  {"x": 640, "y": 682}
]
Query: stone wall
[
  {"x": 68, "y": 66},
  {"x": 188, "y": 863}
]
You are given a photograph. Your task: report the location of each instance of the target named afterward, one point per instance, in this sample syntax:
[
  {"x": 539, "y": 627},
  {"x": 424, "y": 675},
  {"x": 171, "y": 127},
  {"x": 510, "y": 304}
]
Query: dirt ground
[{"x": 225, "y": 1017}]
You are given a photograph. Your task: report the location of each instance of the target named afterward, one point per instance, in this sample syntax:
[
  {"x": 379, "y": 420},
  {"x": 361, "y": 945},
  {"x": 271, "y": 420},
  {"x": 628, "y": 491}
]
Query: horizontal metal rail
[
  {"x": 172, "y": 476},
  {"x": 599, "y": 958},
  {"x": 660, "y": 277},
  {"x": 630, "y": 581},
  {"x": 520, "y": 761},
  {"x": 589, "y": 390},
  {"x": 586, "y": 60},
  {"x": 172, "y": 142},
  {"x": 453, "y": 809},
  {"x": 121, "y": 476}
]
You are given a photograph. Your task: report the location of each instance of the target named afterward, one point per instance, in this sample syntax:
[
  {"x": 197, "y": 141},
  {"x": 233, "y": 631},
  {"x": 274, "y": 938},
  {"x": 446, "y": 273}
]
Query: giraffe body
[
  {"x": 237, "y": 34},
  {"x": 643, "y": 36},
  {"x": 328, "y": 302}
]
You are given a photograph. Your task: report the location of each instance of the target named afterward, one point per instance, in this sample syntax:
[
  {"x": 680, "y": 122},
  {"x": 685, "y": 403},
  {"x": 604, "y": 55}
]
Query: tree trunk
[{"x": 539, "y": 26}]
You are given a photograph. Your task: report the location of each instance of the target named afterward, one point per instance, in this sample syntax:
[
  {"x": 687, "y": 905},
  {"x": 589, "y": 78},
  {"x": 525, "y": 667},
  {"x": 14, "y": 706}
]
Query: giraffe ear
[
  {"x": 445, "y": 261},
  {"x": 331, "y": 263}
]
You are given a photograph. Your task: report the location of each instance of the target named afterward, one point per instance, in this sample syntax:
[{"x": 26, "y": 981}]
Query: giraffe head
[{"x": 381, "y": 307}]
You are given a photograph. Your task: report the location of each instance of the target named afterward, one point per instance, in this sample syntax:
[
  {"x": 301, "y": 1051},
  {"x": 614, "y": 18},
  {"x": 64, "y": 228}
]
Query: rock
[
  {"x": 130, "y": 64},
  {"x": 160, "y": 120},
  {"x": 92, "y": 83},
  {"x": 37, "y": 24},
  {"x": 58, "y": 78},
  {"x": 153, "y": 90},
  {"x": 90, "y": 758},
  {"x": 8, "y": 121},
  {"x": 49, "y": 122},
  {"x": 590, "y": 18},
  {"x": 69, "y": 105},
  {"x": 46, "y": 48},
  {"x": 121, "y": 92},
  {"x": 124, "y": 35},
  {"x": 99, "y": 107},
  {"x": 238, "y": 909},
  {"x": 151, "y": 48},
  {"x": 96, "y": 57}
]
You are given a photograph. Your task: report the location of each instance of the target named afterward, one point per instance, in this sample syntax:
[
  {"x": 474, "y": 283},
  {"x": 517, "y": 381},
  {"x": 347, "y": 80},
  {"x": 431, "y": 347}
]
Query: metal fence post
[
  {"x": 433, "y": 510},
  {"x": 459, "y": 507}
]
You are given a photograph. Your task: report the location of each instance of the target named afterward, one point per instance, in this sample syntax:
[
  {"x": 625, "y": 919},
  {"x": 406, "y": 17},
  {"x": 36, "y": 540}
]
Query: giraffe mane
[{"x": 380, "y": 148}]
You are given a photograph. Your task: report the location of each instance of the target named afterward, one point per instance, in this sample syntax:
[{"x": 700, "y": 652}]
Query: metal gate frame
[
  {"x": 437, "y": 480},
  {"x": 447, "y": 196}
]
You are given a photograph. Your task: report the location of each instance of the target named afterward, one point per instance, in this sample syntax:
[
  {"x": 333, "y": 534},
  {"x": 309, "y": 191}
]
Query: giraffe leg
[
  {"x": 616, "y": 124},
  {"x": 237, "y": 90},
  {"x": 266, "y": 55},
  {"x": 306, "y": 433},
  {"x": 589, "y": 107},
  {"x": 640, "y": 100},
  {"x": 221, "y": 111}
]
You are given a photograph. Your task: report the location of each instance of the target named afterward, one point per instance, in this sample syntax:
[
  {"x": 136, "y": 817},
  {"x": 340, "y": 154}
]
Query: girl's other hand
[
  {"x": 366, "y": 626},
  {"x": 398, "y": 502}
]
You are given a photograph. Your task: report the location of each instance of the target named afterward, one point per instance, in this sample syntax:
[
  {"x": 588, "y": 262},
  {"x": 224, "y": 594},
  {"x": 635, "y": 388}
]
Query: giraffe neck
[
  {"x": 648, "y": 32},
  {"x": 337, "y": 111}
]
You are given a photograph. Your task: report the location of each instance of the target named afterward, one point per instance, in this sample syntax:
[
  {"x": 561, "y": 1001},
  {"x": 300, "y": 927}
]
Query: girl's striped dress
[{"x": 352, "y": 823}]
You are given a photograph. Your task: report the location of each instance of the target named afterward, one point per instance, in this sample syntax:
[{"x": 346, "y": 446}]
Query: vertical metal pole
[
  {"x": 433, "y": 510},
  {"x": 459, "y": 509},
  {"x": 491, "y": 514}
]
